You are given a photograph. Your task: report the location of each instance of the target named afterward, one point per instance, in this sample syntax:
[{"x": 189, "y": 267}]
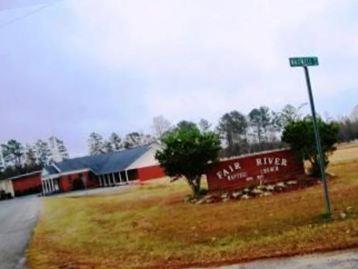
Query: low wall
[{"x": 251, "y": 170}]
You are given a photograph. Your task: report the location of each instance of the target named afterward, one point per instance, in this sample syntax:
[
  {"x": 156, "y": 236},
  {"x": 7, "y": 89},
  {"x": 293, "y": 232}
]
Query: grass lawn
[{"x": 151, "y": 227}]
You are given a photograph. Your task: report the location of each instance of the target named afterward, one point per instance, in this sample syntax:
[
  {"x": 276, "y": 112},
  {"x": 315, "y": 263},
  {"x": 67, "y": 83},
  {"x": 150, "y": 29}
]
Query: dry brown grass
[
  {"x": 150, "y": 226},
  {"x": 346, "y": 152}
]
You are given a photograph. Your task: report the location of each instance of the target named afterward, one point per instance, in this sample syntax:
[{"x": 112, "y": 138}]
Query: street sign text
[{"x": 303, "y": 61}]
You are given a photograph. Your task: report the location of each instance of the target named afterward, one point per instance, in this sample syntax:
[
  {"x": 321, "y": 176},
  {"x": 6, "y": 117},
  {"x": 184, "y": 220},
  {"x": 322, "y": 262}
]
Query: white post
[
  {"x": 120, "y": 177},
  {"x": 57, "y": 185},
  {"x": 109, "y": 179},
  {"x": 114, "y": 179},
  {"x": 47, "y": 186},
  {"x": 105, "y": 181},
  {"x": 126, "y": 172},
  {"x": 52, "y": 185},
  {"x": 43, "y": 188}
]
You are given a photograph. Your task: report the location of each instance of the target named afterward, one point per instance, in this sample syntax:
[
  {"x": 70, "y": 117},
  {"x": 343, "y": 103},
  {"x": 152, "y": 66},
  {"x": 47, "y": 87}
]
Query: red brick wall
[
  {"x": 252, "y": 170},
  {"x": 73, "y": 181},
  {"x": 27, "y": 185},
  {"x": 65, "y": 183},
  {"x": 150, "y": 172}
]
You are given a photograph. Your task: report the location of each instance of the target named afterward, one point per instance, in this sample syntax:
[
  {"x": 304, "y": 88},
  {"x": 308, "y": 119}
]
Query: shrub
[
  {"x": 187, "y": 153},
  {"x": 300, "y": 136}
]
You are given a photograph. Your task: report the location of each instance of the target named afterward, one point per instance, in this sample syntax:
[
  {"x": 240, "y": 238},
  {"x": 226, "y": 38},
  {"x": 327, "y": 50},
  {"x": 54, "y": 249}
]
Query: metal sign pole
[{"x": 318, "y": 143}]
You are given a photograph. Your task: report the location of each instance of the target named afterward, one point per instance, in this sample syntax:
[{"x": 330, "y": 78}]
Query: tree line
[
  {"x": 97, "y": 144},
  {"x": 259, "y": 130},
  {"x": 239, "y": 133},
  {"x": 16, "y": 158},
  {"x": 348, "y": 127}
]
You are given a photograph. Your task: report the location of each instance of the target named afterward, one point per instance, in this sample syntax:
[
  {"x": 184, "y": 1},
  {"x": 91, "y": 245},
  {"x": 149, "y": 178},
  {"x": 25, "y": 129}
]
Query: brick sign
[{"x": 261, "y": 168}]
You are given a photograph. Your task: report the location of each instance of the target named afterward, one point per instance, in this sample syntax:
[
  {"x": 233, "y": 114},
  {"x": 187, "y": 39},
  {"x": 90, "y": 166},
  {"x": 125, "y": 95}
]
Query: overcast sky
[{"x": 78, "y": 66}]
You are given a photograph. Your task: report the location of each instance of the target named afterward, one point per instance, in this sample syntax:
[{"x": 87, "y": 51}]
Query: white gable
[{"x": 147, "y": 159}]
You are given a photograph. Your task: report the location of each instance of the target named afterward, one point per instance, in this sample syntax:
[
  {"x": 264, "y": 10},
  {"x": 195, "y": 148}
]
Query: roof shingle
[{"x": 101, "y": 164}]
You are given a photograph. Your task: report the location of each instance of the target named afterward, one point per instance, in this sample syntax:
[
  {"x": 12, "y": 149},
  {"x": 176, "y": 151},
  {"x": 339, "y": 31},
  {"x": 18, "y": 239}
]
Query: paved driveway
[
  {"x": 17, "y": 219},
  {"x": 347, "y": 259}
]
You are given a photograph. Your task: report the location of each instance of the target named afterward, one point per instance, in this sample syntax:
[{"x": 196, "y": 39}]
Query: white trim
[
  {"x": 56, "y": 167},
  {"x": 67, "y": 173},
  {"x": 24, "y": 175}
]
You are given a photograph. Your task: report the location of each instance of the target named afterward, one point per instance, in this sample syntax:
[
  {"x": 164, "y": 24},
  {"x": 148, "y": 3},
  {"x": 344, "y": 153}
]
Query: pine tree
[
  {"x": 95, "y": 144},
  {"x": 30, "y": 156},
  {"x": 115, "y": 141},
  {"x": 13, "y": 153},
  {"x": 43, "y": 152},
  {"x": 108, "y": 147},
  {"x": 58, "y": 150}
]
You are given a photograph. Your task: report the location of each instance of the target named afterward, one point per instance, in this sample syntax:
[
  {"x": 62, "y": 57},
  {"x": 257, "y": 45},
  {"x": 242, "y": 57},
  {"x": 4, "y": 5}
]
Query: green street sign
[{"x": 303, "y": 61}]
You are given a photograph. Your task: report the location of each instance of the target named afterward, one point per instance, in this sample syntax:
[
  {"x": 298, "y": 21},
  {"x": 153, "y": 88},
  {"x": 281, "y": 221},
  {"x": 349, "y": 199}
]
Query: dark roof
[
  {"x": 102, "y": 163},
  {"x": 50, "y": 169},
  {"x": 34, "y": 173}
]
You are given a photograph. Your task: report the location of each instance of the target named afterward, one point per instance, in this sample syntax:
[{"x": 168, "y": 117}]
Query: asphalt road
[
  {"x": 347, "y": 259},
  {"x": 17, "y": 220}
]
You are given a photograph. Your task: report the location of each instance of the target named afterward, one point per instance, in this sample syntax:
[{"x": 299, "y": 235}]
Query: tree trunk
[{"x": 194, "y": 184}]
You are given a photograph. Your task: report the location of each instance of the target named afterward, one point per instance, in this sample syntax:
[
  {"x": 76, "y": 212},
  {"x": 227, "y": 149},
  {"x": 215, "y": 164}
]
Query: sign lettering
[
  {"x": 241, "y": 172},
  {"x": 303, "y": 61}
]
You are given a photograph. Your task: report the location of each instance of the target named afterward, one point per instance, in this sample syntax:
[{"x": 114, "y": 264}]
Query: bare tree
[
  {"x": 160, "y": 126},
  {"x": 204, "y": 125}
]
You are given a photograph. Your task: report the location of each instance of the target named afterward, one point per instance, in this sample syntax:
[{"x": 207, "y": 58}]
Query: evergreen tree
[
  {"x": 95, "y": 144},
  {"x": 107, "y": 146},
  {"x": 13, "y": 153},
  {"x": 58, "y": 149},
  {"x": 115, "y": 141},
  {"x": 260, "y": 119},
  {"x": 132, "y": 139},
  {"x": 232, "y": 127},
  {"x": 30, "y": 156},
  {"x": 43, "y": 152}
]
